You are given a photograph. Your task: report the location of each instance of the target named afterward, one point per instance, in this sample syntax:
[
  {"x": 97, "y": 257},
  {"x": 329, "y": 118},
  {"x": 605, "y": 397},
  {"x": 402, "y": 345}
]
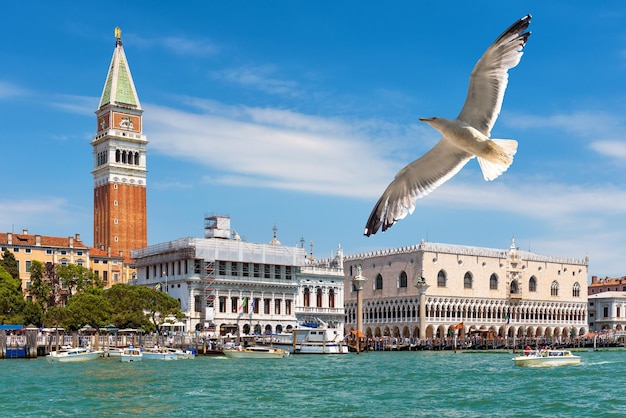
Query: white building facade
[
  {"x": 229, "y": 286},
  {"x": 506, "y": 292},
  {"x": 607, "y": 311}
]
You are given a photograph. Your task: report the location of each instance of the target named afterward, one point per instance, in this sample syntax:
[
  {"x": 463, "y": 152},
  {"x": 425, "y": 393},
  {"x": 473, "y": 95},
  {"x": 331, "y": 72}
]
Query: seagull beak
[{"x": 426, "y": 119}]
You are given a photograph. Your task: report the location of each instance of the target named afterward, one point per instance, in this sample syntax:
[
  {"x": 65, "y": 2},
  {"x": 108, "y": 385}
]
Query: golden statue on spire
[{"x": 118, "y": 32}]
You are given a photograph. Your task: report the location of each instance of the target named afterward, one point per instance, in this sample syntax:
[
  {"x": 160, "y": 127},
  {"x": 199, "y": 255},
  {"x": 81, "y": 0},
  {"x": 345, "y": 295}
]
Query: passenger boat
[
  {"x": 131, "y": 354},
  {"x": 165, "y": 353},
  {"x": 320, "y": 341},
  {"x": 71, "y": 355},
  {"x": 256, "y": 351},
  {"x": 309, "y": 340},
  {"x": 546, "y": 358}
]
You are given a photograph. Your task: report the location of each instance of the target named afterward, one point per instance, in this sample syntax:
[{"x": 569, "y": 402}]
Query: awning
[
  {"x": 11, "y": 327},
  {"x": 355, "y": 332}
]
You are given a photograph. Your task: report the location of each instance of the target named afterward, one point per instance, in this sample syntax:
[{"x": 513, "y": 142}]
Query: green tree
[
  {"x": 87, "y": 309},
  {"x": 78, "y": 278},
  {"x": 160, "y": 306},
  {"x": 11, "y": 298},
  {"x": 127, "y": 307},
  {"x": 9, "y": 263},
  {"x": 55, "y": 316},
  {"x": 141, "y": 307},
  {"x": 32, "y": 313},
  {"x": 39, "y": 288}
]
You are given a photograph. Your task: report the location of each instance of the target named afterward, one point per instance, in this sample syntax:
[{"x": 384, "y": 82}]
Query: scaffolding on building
[{"x": 209, "y": 295}]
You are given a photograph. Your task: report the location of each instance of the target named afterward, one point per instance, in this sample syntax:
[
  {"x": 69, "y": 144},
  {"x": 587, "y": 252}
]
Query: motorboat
[
  {"x": 167, "y": 353},
  {"x": 309, "y": 340},
  {"x": 71, "y": 355},
  {"x": 256, "y": 351},
  {"x": 546, "y": 357},
  {"x": 113, "y": 351},
  {"x": 131, "y": 354},
  {"x": 320, "y": 341}
]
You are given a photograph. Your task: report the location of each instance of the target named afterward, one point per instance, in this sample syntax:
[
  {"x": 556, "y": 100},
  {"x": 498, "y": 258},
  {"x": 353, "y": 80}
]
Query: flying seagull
[{"x": 464, "y": 138}]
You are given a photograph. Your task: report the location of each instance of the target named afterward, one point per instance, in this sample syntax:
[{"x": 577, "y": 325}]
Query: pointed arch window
[
  {"x": 493, "y": 282},
  {"x": 442, "y": 279},
  {"x": 379, "y": 282},
  {"x": 402, "y": 280},
  {"x": 532, "y": 284},
  {"x": 331, "y": 298},
  {"x": 136, "y": 158},
  {"x": 468, "y": 280},
  {"x": 554, "y": 289},
  {"x": 576, "y": 290},
  {"x": 514, "y": 287},
  {"x": 118, "y": 156}
]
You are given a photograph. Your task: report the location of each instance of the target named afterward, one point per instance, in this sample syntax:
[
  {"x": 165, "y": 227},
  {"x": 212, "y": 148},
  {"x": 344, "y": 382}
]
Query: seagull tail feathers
[{"x": 497, "y": 158}]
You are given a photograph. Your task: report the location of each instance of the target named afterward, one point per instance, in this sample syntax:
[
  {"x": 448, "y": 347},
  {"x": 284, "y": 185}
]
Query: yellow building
[
  {"x": 46, "y": 249},
  {"x": 27, "y": 248}
]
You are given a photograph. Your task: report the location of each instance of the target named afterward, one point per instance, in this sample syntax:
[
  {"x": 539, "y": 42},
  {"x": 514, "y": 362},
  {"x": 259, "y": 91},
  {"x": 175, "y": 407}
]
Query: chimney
[
  {"x": 77, "y": 238},
  {"x": 9, "y": 238},
  {"x": 71, "y": 239},
  {"x": 38, "y": 240},
  {"x": 594, "y": 279},
  {"x": 25, "y": 231}
]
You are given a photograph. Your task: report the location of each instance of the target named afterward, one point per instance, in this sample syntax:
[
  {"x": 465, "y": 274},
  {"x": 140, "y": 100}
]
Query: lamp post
[
  {"x": 421, "y": 286},
  {"x": 358, "y": 282}
]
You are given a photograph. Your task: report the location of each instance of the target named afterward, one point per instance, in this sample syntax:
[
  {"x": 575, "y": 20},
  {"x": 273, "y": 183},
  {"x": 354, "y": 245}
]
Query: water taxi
[
  {"x": 71, "y": 355},
  {"x": 131, "y": 354},
  {"x": 546, "y": 358},
  {"x": 166, "y": 353},
  {"x": 256, "y": 351}
]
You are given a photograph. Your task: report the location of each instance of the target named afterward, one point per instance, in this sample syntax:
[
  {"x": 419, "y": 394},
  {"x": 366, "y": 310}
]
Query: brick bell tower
[{"x": 119, "y": 156}]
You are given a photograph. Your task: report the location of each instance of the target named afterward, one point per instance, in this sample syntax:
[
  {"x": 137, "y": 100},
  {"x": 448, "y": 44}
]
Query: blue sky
[{"x": 299, "y": 113}]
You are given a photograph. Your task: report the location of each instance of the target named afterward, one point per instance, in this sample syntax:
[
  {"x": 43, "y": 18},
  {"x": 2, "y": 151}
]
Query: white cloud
[
  {"x": 604, "y": 131},
  {"x": 11, "y": 90},
  {"x": 276, "y": 148},
  {"x": 179, "y": 45},
  {"x": 35, "y": 214},
  {"x": 614, "y": 149},
  {"x": 259, "y": 78}
]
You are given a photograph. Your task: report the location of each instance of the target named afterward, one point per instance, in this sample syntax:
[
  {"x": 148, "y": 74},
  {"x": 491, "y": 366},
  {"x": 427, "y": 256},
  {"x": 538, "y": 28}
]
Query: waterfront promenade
[{"x": 33, "y": 342}]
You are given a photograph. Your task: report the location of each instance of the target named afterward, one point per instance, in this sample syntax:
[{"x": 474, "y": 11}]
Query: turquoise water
[{"x": 376, "y": 384}]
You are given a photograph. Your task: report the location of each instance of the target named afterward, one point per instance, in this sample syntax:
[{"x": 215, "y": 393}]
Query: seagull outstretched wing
[
  {"x": 490, "y": 77},
  {"x": 416, "y": 180},
  {"x": 488, "y": 82}
]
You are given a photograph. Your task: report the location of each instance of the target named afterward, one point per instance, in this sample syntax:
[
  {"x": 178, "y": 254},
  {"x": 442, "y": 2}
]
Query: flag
[
  {"x": 457, "y": 326},
  {"x": 157, "y": 286},
  {"x": 242, "y": 304},
  {"x": 508, "y": 318},
  {"x": 252, "y": 306}
]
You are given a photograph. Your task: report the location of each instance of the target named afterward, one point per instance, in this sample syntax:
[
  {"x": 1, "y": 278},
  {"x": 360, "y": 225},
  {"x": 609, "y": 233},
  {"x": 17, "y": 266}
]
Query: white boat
[
  {"x": 320, "y": 341},
  {"x": 546, "y": 358},
  {"x": 131, "y": 354},
  {"x": 113, "y": 351},
  {"x": 256, "y": 351},
  {"x": 307, "y": 340},
  {"x": 71, "y": 355},
  {"x": 165, "y": 353}
]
